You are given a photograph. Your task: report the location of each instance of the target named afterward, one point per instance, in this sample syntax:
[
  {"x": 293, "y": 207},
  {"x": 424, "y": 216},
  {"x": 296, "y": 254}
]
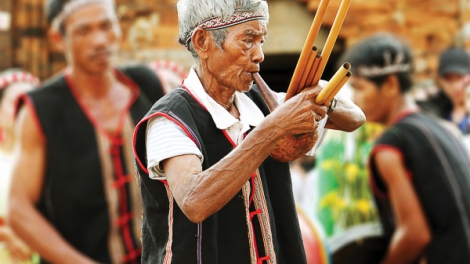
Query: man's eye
[
  {"x": 82, "y": 31},
  {"x": 107, "y": 25}
]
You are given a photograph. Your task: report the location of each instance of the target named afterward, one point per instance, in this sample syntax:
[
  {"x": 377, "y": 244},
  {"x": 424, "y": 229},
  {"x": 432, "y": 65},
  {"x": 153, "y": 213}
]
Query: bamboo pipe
[
  {"x": 312, "y": 72},
  {"x": 331, "y": 39},
  {"x": 306, "y": 50},
  {"x": 308, "y": 69},
  {"x": 266, "y": 92},
  {"x": 333, "y": 83},
  {"x": 338, "y": 87}
]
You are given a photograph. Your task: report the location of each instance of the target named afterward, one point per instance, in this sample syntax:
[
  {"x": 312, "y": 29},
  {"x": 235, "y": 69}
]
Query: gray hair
[{"x": 191, "y": 13}]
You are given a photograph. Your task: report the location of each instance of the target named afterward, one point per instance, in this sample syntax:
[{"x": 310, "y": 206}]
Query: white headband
[
  {"x": 388, "y": 68},
  {"x": 74, "y": 5}
]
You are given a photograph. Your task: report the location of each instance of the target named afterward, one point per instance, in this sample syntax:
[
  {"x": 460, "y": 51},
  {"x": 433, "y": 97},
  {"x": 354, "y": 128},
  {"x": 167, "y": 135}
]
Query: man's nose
[
  {"x": 99, "y": 38},
  {"x": 258, "y": 54}
]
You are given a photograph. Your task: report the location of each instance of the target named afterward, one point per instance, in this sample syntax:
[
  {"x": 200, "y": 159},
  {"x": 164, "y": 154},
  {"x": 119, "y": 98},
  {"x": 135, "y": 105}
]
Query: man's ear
[
  {"x": 201, "y": 41},
  {"x": 56, "y": 40},
  {"x": 391, "y": 86}
]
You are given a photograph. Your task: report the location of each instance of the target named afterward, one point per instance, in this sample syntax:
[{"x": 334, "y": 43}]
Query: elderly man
[
  {"x": 211, "y": 193},
  {"x": 73, "y": 199}
]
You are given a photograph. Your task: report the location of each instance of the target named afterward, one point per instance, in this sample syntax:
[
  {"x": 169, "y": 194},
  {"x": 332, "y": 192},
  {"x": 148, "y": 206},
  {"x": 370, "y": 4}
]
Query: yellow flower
[
  {"x": 327, "y": 165},
  {"x": 352, "y": 170},
  {"x": 328, "y": 199},
  {"x": 339, "y": 204},
  {"x": 363, "y": 206},
  {"x": 332, "y": 200}
]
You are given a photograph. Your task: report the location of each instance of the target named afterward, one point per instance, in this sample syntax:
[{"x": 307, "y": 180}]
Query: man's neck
[
  {"x": 222, "y": 95},
  {"x": 458, "y": 113},
  {"x": 92, "y": 85},
  {"x": 403, "y": 104}
]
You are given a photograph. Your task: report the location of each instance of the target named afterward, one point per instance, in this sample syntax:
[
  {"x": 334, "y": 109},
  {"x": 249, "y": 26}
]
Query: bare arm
[
  {"x": 201, "y": 193},
  {"x": 24, "y": 218},
  {"x": 346, "y": 117},
  {"x": 412, "y": 233}
]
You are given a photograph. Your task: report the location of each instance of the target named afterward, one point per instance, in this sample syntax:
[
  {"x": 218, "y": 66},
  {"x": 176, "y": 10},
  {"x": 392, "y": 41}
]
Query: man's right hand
[{"x": 300, "y": 114}]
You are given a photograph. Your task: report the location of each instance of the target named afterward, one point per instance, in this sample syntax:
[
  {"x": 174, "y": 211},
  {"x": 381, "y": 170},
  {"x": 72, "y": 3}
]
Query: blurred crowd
[{"x": 67, "y": 159}]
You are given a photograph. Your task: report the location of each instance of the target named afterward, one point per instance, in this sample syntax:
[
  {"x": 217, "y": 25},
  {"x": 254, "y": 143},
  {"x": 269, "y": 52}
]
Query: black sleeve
[{"x": 146, "y": 79}]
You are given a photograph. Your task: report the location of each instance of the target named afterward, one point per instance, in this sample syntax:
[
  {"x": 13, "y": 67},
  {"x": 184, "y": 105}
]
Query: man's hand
[
  {"x": 18, "y": 250},
  {"x": 295, "y": 144},
  {"x": 300, "y": 114}
]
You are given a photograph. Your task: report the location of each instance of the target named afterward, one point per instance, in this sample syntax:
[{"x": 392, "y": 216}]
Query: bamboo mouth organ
[{"x": 311, "y": 64}]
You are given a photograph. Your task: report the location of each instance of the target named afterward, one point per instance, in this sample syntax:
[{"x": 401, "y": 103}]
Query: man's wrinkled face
[
  {"x": 370, "y": 99},
  {"x": 240, "y": 56},
  {"x": 92, "y": 37}
]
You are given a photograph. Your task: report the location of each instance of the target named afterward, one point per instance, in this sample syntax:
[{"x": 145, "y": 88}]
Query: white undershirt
[{"x": 166, "y": 139}]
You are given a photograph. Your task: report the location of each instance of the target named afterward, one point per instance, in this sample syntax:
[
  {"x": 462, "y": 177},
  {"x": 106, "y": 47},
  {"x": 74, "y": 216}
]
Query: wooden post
[{"x": 6, "y": 38}]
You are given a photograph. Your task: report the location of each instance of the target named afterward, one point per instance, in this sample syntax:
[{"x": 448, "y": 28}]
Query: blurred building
[
  {"x": 429, "y": 26},
  {"x": 150, "y": 30}
]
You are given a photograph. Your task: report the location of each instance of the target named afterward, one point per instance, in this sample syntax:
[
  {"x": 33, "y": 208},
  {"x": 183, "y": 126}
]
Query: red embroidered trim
[
  {"x": 194, "y": 97},
  {"x": 121, "y": 77},
  {"x": 124, "y": 219},
  {"x": 217, "y": 22},
  {"x": 260, "y": 260},
  {"x": 132, "y": 256},
  {"x": 169, "y": 65},
  {"x": 125, "y": 214},
  {"x": 121, "y": 181},
  {"x": 134, "y": 141}
]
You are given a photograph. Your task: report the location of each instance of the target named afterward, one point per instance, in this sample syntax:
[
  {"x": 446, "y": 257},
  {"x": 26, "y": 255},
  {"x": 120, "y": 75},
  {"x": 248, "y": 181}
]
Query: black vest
[
  {"x": 222, "y": 237},
  {"x": 74, "y": 197},
  {"x": 439, "y": 169}
]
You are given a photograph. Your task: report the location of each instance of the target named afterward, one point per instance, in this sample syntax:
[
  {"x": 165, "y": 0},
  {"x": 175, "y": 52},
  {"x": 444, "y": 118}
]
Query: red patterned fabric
[
  {"x": 18, "y": 76},
  {"x": 218, "y": 23}
]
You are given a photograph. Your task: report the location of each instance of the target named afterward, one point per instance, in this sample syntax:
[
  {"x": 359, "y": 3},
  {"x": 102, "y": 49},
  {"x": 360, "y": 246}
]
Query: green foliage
[{"x": 345, "y": 196}]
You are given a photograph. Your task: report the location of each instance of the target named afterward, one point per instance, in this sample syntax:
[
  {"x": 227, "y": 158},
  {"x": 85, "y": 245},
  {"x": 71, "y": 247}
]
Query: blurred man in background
[
  {"x": 419, "y": 172},
  {"x": 73, "y": 197},
  {"x": 450, "y": 103}
]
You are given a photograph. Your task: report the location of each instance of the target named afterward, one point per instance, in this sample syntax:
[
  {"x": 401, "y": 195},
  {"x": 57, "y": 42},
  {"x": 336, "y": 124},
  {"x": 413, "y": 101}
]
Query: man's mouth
[{"x": 100, "y": 55}]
